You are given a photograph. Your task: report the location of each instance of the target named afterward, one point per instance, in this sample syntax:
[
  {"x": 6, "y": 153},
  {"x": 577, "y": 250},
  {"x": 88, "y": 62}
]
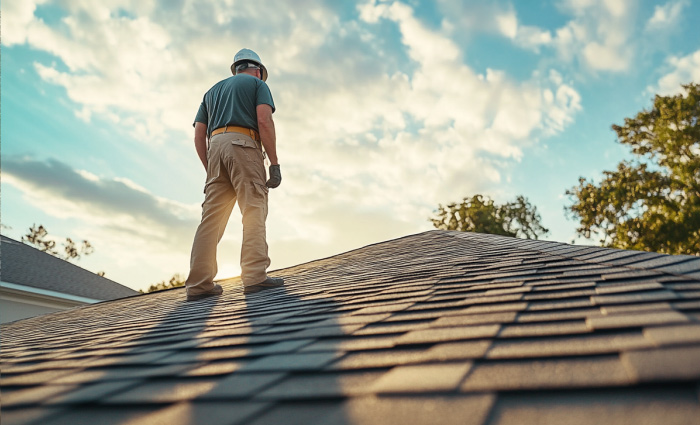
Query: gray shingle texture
[
  {"x": 438, "y": 327},
  {"x": 25, "y": 265}
]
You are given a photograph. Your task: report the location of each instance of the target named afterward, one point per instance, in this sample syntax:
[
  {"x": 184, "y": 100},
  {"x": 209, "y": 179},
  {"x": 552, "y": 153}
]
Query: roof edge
[{"x": 14, "y": 287}]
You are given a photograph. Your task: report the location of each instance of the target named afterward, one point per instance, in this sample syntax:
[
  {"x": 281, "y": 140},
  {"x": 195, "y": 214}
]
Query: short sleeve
[
  {"x": 202, "y": 115},
  {"x": 264, "y": 97}
]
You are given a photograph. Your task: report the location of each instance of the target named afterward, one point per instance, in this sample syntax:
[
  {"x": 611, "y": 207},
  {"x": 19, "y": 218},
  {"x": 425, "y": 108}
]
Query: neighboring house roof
[
  {"x": 21, "y": 264},
  {"x": 434, "y": 328}
]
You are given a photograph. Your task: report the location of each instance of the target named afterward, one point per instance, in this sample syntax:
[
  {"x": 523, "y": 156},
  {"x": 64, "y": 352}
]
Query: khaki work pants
[{"x": 235, "y": 172}]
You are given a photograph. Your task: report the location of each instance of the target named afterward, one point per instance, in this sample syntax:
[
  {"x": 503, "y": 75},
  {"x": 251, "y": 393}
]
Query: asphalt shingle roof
[
  {"x": 25, "y": 265},
  {"x": 439, "y": 327}
]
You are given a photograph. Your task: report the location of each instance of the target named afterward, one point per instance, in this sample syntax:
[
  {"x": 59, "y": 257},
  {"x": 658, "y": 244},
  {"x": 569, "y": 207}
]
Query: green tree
[
  {"x": 38, "y": 236},
  {"x": 652, "y": 202},
  {"x": 175, "y": 282},
  {"x": 480, "y": 214}
]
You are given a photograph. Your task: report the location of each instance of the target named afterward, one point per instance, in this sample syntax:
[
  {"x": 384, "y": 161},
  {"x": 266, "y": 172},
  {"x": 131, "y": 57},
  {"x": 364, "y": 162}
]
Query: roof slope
[
  {"x": 25, "y": 265},
  {"x": 439, "y": 327}
]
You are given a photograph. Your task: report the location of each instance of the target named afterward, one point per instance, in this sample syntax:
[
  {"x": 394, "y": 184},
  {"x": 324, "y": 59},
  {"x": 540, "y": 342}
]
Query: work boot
[
  {"x": 270, "y": 282},
  {"x": 216, "y": 290}
]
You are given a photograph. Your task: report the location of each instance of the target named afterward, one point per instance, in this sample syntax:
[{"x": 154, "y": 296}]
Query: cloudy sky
[{"x": 384, "y": 111}]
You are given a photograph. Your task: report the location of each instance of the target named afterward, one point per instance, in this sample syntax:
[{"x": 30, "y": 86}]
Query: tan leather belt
[{"x": 236, "y": 129}]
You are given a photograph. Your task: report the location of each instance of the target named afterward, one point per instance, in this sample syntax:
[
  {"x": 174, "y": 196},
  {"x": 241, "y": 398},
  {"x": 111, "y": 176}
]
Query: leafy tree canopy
[
  {"x": 175, "y": 282},
  {"x": 39, "y": 237},
  {"x": 480, "y": 214},
  {"x": 652, "y": 202}
]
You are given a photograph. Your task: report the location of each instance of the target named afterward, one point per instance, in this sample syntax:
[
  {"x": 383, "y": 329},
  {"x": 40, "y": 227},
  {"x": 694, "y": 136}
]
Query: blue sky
[{"x": 384, "y": 110}]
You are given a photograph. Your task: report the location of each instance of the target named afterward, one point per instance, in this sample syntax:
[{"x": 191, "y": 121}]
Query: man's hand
[{"x": 275, "y": 176}]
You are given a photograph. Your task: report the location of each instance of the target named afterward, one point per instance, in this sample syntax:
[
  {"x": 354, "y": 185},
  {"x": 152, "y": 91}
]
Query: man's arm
[
  {"x": 266, "y": 128},
  {"x": 200, "y": 142}
]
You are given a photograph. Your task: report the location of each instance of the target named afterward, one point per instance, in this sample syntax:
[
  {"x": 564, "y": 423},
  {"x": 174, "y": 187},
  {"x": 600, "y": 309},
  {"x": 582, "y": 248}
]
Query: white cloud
[
  {"x": 600, "y": 34},
  {"x": 18, "y": 20},
  {"x": 684, "y": 70},
  {"x": 529, "y": 37},
  {"x": 667, "y": 15}
]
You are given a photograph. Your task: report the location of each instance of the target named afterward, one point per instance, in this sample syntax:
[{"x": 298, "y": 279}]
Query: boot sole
[{"x": 202, "y": 296}]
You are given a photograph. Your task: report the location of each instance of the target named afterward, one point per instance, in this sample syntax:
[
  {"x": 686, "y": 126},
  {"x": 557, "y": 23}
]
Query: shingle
[
  {"x": 93, "y": 393},
  {"x": 425, "y": 378},
  {"x": 447, "y": 410},
  {"x": 553, "y": 295},
  {"x": 214, "y": 369},
  {"x": 672, "y": 335},
  {"x": 547, "y": 374},
  {"x": 623, "y": 260},
  {"x": 322, "y": 385},
  {"x": 102, "y": 415},
  {"x": 281, "y": 329},
  {"x": 393, "y": 327},
  {"x": 475, "y": 319},
  {"x": 359, "y": 319},
  {"x": 546, "y": 287},
  {"x": 384, "y": 308},
  {"x": 601, "y": 255},
  {"x": 457, "y": 351},
  {"x": 676, "y": 363},
  {"x": 426, "y": 336},
  {"x": 627, "y": 287},
  {"x": 635, "y": 308},
  {"x": 620, "y": 407},
  {"x": 686, "y": 305},
  {"x": 299, "y": 413},
  {"x": 634, "y": 298},
  {"x": 494, "y": 308},
  {"x": 242, "y": 330},
  {"x": 288, "y": 362},
  {"x": 350, "y": 344},
  {"x": 544, "y": 329},
  {"x": 167, "y": 391},
  {"x": 120, "y": 373},
  {"x": 568, "y": 346},
  {"x": 33, "y": 395},
  {"x": 25, "y": 416},
  {"x": 691, "y": 265},
  {"x": 684, "y": 286},
  {"x": 210, "y": 413},
  {"x": 37, "y": 365},
  {"x": 240, "y": 385},
  {"x": 325, "y": 331},
  {"x": 379, "y": 359},
  {"x": 504, "y": 291},
  {"x": 34, "y": 378},
  {"x": 198, "y": 356},
  {"x": 136, "y": 359},
  {"x": 636, "y": 320},
  {"x": 631, "y": 274}
]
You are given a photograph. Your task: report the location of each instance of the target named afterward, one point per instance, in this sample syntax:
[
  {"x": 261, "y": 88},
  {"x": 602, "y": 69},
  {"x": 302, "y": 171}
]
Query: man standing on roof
[{"x": 235, "y": 118}]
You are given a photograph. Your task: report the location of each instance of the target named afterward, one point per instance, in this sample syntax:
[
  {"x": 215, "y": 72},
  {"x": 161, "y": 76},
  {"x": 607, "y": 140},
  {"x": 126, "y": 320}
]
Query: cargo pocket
[{"x": 261, "y": 188}]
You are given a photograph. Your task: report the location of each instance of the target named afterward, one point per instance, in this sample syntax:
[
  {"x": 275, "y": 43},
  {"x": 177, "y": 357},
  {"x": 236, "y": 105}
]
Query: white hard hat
[{"x": 247, "y": 55}]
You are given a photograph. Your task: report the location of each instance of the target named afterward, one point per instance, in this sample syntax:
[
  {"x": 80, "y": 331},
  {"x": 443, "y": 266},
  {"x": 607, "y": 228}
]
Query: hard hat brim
[{"x": 262, "y": 67}]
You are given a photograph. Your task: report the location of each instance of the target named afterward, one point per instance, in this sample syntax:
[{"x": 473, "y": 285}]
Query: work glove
[{"x": 275, "y": 177}]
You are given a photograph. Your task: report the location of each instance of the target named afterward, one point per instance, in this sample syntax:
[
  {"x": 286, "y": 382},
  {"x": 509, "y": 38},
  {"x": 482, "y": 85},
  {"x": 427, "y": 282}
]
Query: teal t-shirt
[{"x": 233, "y": 101}]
